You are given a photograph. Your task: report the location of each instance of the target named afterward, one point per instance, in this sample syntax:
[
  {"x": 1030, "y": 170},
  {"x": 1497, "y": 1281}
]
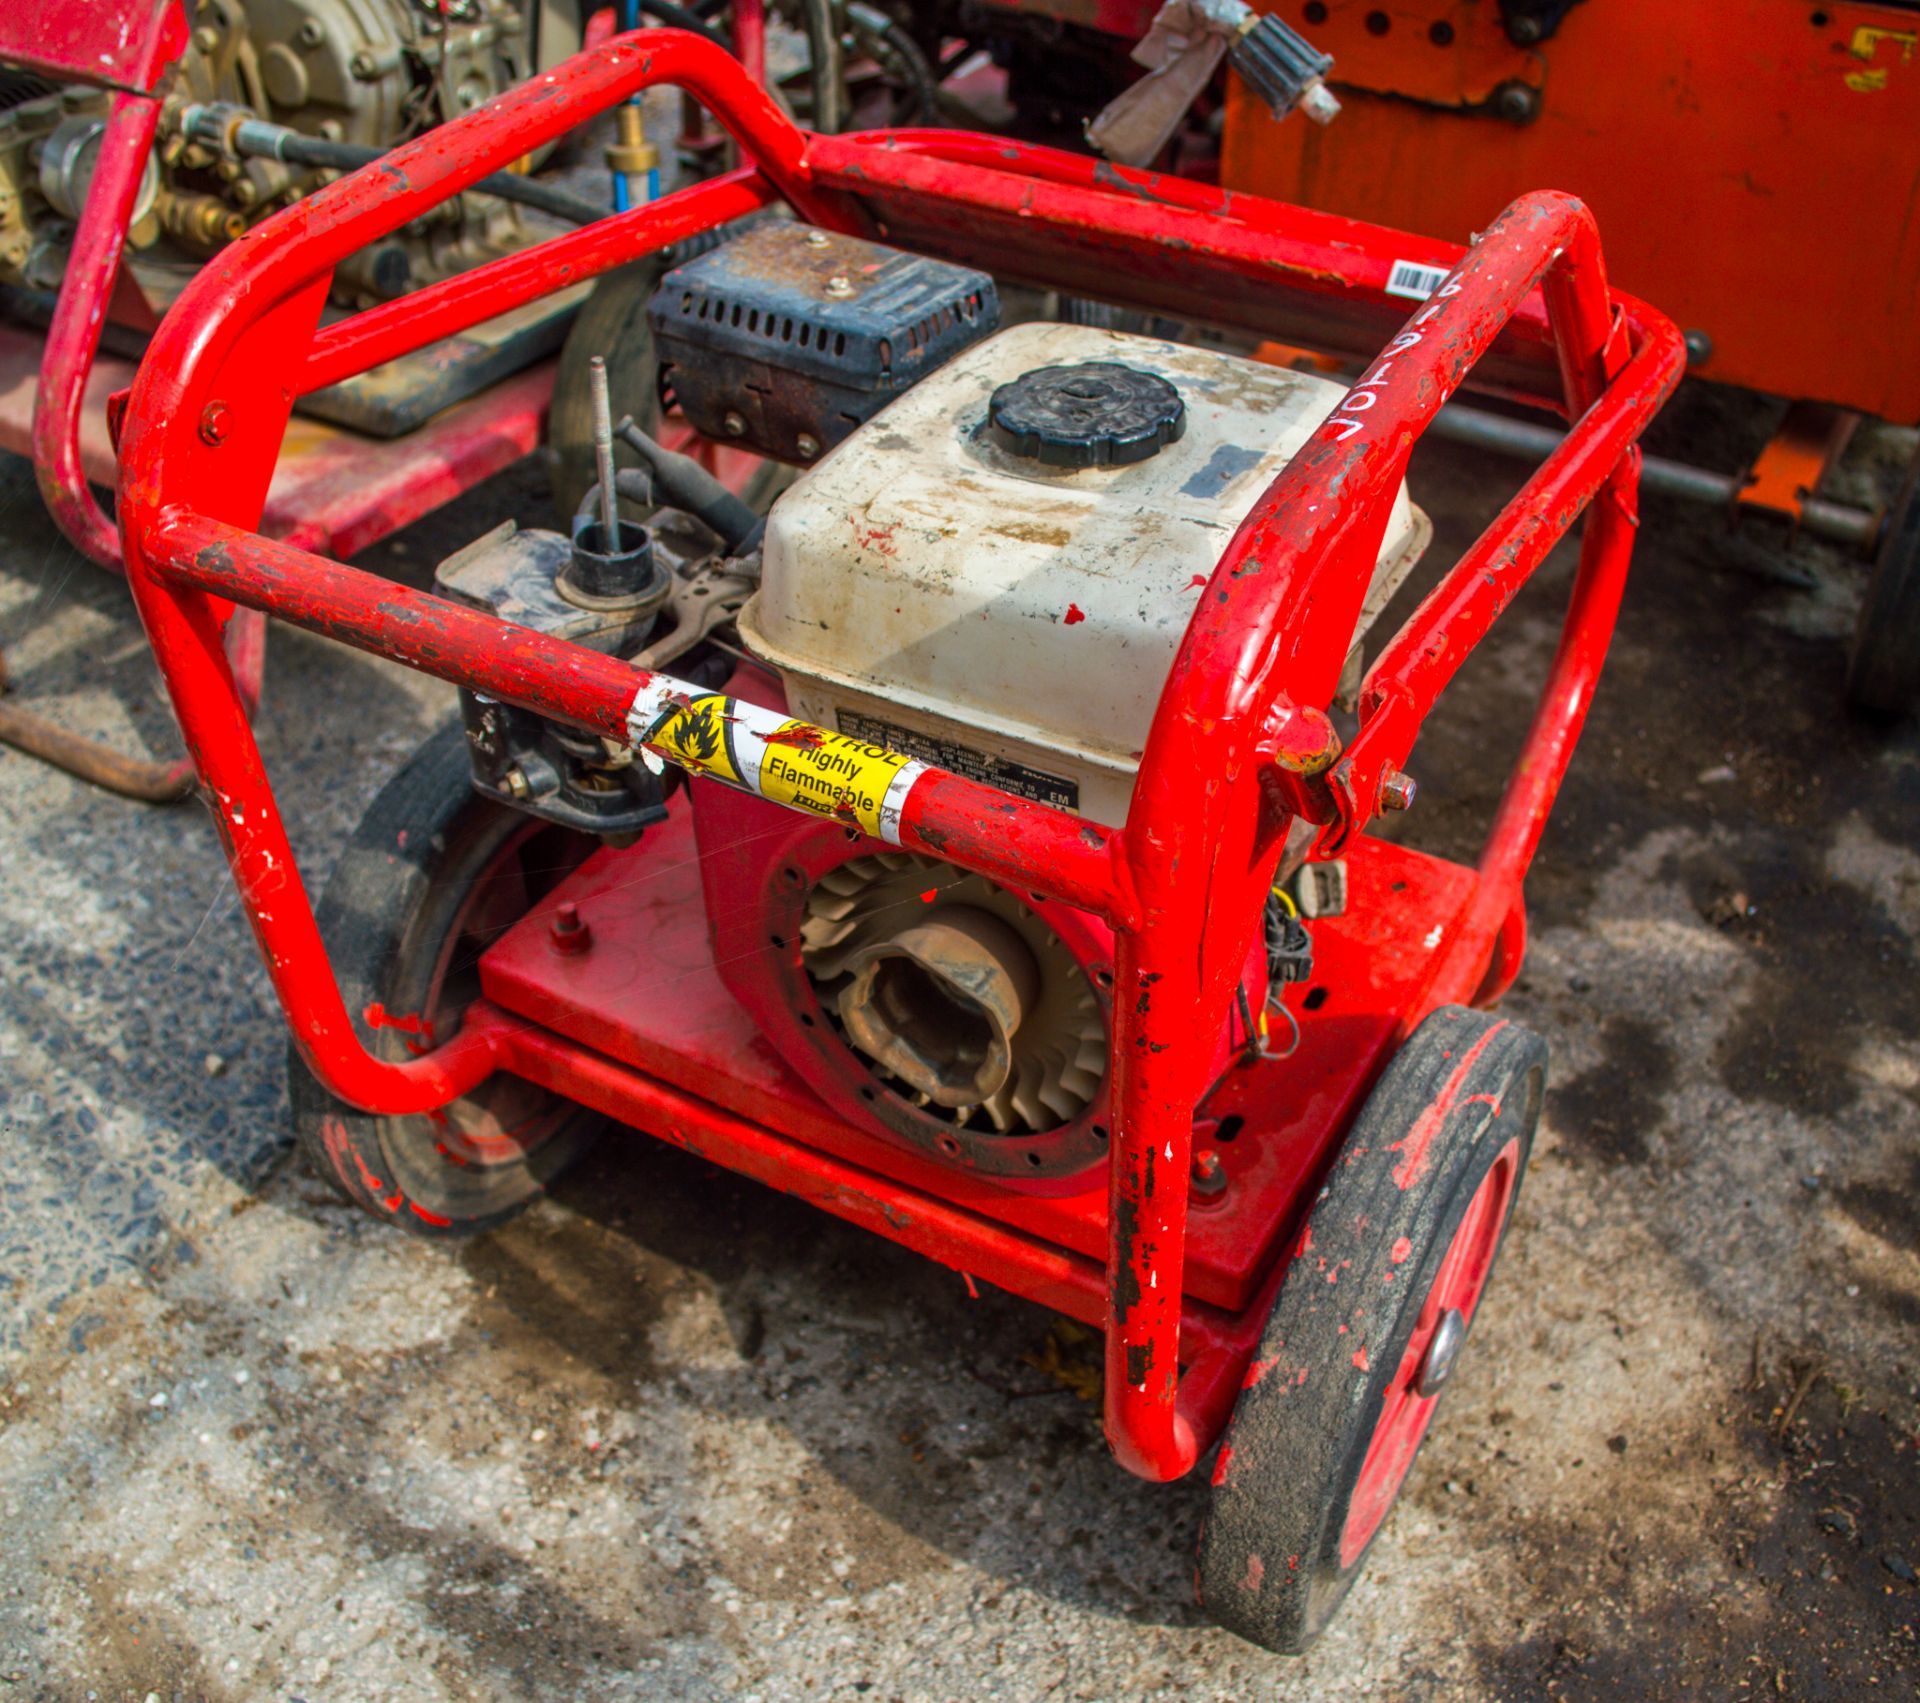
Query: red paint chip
[{"x": 1074, "y": 615}]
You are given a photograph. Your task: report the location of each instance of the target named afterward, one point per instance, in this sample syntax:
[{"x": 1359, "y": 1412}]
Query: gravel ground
[{"x": 672, "y": 1436}]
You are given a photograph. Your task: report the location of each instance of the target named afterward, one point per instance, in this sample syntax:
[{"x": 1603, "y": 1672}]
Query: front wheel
[
  {"x": 1368, "y": 1325},
  {"x": 433, "y": 875}
]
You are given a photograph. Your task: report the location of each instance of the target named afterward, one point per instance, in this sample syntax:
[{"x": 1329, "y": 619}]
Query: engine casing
[{"x": 1006, "y": 614}]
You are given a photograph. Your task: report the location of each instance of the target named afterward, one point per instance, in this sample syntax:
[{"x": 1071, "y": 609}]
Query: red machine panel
[
  {"x": 1753, "y": 163},
  {"x": 646, "y": 992}
]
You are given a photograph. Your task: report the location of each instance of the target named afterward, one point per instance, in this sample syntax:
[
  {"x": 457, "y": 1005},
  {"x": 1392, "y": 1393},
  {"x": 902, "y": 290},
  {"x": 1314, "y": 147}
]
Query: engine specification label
[
  {"x": 785, "y": 761},
  {"x": 1008, "y": 776}
]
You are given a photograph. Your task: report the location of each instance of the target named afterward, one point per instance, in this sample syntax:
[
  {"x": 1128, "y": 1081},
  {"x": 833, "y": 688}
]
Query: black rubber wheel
[
  {"x": 612, "y": 323},
  {"x": 432, "y": 874},
  {"x": 1398, "y": 1249},
  {"x": 1883, "y": 674}
]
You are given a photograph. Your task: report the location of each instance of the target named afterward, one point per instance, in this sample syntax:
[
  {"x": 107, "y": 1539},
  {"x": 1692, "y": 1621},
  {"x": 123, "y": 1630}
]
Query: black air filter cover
[{"x": 788, "y": 337}]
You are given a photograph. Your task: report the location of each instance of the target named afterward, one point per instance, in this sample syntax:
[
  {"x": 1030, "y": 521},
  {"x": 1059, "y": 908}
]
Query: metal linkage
[
  {"x": 1459, "y": 423},
  {"x": 1240, "y": 745}
]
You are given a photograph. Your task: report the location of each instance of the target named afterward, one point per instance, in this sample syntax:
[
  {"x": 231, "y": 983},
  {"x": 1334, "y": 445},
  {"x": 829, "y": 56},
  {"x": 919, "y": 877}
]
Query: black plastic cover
[
  {"x": 1094, "y": 414},
  {"x": 787, "y": 338}
]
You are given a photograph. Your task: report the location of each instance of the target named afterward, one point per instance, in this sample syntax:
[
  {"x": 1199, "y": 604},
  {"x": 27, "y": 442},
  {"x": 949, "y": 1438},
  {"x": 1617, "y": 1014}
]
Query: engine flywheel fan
[{"x": 959, "y": 998}]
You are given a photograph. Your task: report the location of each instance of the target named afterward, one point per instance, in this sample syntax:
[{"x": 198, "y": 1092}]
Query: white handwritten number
[{"x": 1364, "y": 394}]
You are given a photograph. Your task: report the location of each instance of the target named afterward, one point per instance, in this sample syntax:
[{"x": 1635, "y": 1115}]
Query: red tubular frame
[
  {"x": 75, "y": 42},
  {"x": 1240, "y": 743}
]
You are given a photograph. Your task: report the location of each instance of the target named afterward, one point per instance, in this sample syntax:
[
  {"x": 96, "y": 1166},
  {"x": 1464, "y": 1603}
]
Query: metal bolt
[
  {"x": 1209, "y": 1175},
  {"x": 1397, "y": 791},
  {"x": 818, "y": 239},
  {"x": 733, "y": 425},
  {"x": 1524, "y": 30},
  {"x": 1443, "y": 1350},
  {"x": 808, "y": 446},
  {"x": 568, "y": 932},
  {"x": 363, "y": 67},
  {"x": 514, "y": 784},
  {"x": 840, "y": 285},
  {"x": 1516, "y": 102},
  {"x": 311, "y": 34},
  {"x": 603, "y": 453},
  {"x": 1699, "y": 348},
  {"x": 216, "y": 421}
]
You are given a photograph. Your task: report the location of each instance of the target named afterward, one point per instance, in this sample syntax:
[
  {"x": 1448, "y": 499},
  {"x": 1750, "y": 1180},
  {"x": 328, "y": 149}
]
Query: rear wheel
[
  {"x": 1883, "y": 675},
  {"x": 1368, "y": 1325},
  {"x": 432, "y": 876}
]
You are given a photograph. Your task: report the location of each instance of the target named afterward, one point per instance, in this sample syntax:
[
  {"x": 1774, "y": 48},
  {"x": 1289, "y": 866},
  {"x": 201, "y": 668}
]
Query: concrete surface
[{"x": 672, "y": 1436}]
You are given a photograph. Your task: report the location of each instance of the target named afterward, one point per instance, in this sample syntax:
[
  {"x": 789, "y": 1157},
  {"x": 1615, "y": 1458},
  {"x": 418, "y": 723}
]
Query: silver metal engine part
[{"x": 368, "y": 73}]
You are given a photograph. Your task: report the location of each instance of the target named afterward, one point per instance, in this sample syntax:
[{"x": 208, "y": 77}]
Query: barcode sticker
[{"x": 1414, "y": 281}]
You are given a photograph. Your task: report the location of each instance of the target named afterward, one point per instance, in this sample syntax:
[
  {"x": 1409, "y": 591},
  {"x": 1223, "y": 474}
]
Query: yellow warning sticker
[
  {"x": 693, "y": 733},
  {"x": 785, "y": 761},
  {"x": 1866, "y": 45}
]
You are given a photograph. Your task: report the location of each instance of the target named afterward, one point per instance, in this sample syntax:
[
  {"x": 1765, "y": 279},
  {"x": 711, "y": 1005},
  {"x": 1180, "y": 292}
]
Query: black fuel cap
[{"x": 1095, "y": 414}]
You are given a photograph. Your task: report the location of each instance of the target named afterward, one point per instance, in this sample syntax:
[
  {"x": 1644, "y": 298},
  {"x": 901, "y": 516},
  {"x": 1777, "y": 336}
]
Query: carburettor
[{"x": 366, "y": 74}]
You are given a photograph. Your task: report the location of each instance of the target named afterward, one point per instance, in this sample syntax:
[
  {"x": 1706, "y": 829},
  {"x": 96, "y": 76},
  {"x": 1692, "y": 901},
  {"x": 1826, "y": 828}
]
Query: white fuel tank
[{"x": 929, "y": 588}]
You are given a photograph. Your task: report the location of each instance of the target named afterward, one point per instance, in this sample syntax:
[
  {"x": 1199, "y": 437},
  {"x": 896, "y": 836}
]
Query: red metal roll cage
[{"x": 1240, "y": 743}]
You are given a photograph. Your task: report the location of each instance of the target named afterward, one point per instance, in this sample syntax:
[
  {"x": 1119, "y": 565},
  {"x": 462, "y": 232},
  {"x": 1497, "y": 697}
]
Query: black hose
[
  {"x": 888, "y": 41},
  {"x": 633, "y": 483},
  {"x": 826, "y": 73},
  {"x": 685, "y": 18},
  {"x": 685, "y": 484},
  {"x": 275, "y": 142}
]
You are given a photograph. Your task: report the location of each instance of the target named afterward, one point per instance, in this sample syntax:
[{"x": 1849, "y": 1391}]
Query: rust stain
[{"x": 1032, "y": 532}]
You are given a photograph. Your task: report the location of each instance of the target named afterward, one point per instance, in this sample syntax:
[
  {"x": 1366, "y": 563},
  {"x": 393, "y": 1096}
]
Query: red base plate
[{"x": 646, "y": 993}]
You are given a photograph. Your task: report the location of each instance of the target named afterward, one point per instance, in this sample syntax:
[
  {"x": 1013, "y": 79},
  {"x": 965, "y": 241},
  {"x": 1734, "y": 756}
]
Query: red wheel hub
[{"x": 1405, "y": 1411}]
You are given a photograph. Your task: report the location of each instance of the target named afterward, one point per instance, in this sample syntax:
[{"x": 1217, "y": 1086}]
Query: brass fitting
[
  {"x": 199, "y": 222},
  {"x": 632, "y": 155}
]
